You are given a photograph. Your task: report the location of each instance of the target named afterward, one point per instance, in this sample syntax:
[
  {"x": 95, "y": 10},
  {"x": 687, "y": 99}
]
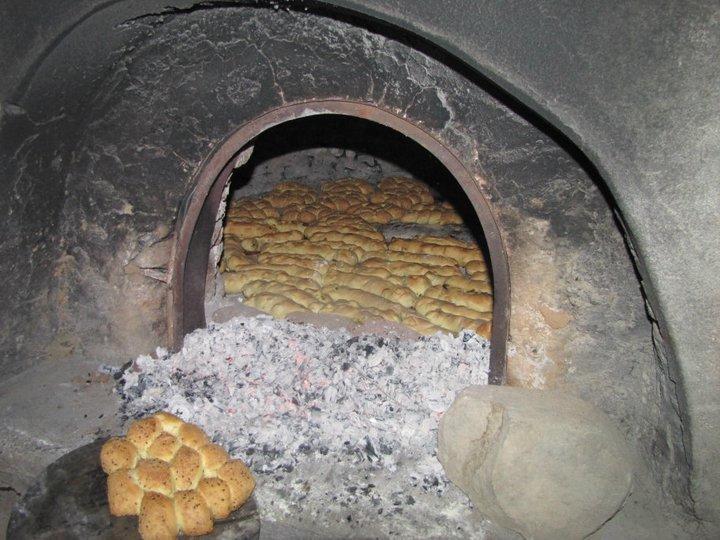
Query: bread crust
[
  {"x": 327, "y": 245},
  {"x": 142, "y": 433},
  {"x": 239, "y": 479},
  {"x": 118, "y": 453},
  {"x": 174, "y": 485},
  {"x": 480, "y": 302},
  {"x": 157, "y": 518},
  {"x": 277, "y": 305},
  {"x": 186, "y": 468},
  {"x": 124, "y": 495},
  {"x": 193, "y": 515}
]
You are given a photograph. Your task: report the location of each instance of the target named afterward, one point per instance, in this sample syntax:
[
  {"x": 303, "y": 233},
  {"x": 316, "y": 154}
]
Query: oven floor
[{"x": 60, "y": 405}]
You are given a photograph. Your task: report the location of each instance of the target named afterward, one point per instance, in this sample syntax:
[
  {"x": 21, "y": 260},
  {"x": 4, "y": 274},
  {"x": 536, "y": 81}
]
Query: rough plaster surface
[
  {"x": 98, "y": 173},
  {"x": 636, "y": 86}
]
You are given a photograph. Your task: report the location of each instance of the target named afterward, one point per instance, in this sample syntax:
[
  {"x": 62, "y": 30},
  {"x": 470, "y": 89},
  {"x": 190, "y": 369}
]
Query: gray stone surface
[
  {"x": 43, "y": 415},
  {"x": 541, "y": 463},
  {"x": 69, "y": 501},
  {"x": 46, "y": 412}
]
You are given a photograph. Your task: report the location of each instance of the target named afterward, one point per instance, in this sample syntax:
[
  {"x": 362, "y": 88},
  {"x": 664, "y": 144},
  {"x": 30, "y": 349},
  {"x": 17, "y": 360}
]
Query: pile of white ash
[{"x": 340, "y": 429}]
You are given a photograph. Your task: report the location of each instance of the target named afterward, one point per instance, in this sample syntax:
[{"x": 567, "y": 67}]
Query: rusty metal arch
[{"x": 195, "y": 222}]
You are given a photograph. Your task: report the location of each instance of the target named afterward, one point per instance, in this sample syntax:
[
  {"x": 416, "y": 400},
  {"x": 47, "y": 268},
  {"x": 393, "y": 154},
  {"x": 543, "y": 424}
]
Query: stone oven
[{"x": 131, "y": 137}]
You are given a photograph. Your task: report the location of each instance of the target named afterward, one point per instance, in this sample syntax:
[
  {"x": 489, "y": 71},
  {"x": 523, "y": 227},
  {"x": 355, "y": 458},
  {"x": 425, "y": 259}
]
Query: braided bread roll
[{"x": 168, "y": 473}]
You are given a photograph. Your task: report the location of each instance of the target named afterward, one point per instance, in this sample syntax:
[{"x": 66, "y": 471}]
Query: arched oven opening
[{"x": 319, "y": 166}]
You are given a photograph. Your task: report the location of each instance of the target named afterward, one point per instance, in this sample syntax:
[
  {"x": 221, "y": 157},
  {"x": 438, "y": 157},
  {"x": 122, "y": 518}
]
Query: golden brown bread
[
  {"x": 305, "y": 298},
  {"x": 354, "y": 312},
  {"x": 285, "y": 226},
  {"x": 420, "y": 324},
  {"x": 247, "y": 229},
  {"x": 330, "y": 251},
  {"x": 124, "y": 495},
  {"x": 301, "y": 213},
  {"x": 371, "y": 214},
  {"x": 406, "y": 256},
  {"x": 401, "y": 268},
  {"x": 342, "y": 201},
  {"x": 249, "y": 210},
  {"x": 169, "y": 422},
  {"x": 478, "y": 301},
  {"x": 368, "y": 271},
  {"x": 216, "y": 493},
  {"x": 339, "y": 219},
  {"x": 164, "y": 447},
  {"x": 458, "y": 254},
  {"x": 468, "y": 284},
  {"x": 186, "y": 468},
  {"x": 154, "y": 475},
  {"x": 357, "y": 229},
  {"x": 143, "y": 432},
  {"x": 235, "y": 259},
  {"x": 277, "y": 237},
  {"x": 285, "y": 198},
  {"x": 418, "y": 284},
  {"x": 343, "y": 185},
  {"x": 213, "y": 456},
  {"x": 437, "y": 279},
  {"x": 454, "y": 323},
  {"x": 238, "y": 280},
  {"x": 427, "y": 304},
  {"x": 235, "y": 281},
  {"x": 360, "y": 240},
  {"x": 192, "y": 436},
  {"x": 173, "y": 489},
  {"x": 476, "y": 266},
  {"x": 390, "y": 291},
  {"x": 239, "y": 479},
  {"x": 311, "y": 262},
  {"x": 157, "y": 518},
  {"x": 430, "y": 215},
  {"x": 277, "y": 305},
  {"x": 362, "y": 298},
  {"x": 118, "y": 454},
  {"x": 328, "y": 244},
  {"x": 192, "y": 513}
]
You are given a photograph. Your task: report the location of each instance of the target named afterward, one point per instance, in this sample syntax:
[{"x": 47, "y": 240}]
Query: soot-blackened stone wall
[{"x": 98, "y": 174}]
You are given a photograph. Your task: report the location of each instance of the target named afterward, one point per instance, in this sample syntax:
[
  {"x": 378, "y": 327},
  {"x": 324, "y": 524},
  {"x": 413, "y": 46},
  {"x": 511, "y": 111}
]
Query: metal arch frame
[{"x": 196, "y": 219}]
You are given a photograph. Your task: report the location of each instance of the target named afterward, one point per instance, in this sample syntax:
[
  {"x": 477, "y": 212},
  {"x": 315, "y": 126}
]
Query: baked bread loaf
[
  {"x": 169, "y": 474},
  {"x": 277, "y": 305},
  {"x": 348, "y": 185},
  {"x": 298, "y": 249}
]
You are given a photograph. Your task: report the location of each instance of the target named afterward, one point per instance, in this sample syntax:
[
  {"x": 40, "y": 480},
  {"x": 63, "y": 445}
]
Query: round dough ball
[
  {"x": 169, "y": 422},
  {"x": 116, "y": 454},
  {"x": 239, "y": 479},
  {"x": 143, "y": 432},
  {"x": 213, "y": 457},
  {"x": 216, "y": 493},
  {"x": 124, "y": 495},
  {"x": 157, "y": 518},
  {"x": 154, "y": 475},
  {"x": 193, "y": 515},
  {"x": 186, "y": 468},
  {"x": 164, "y": 447},
  {"x": 192, "y": 436}
]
